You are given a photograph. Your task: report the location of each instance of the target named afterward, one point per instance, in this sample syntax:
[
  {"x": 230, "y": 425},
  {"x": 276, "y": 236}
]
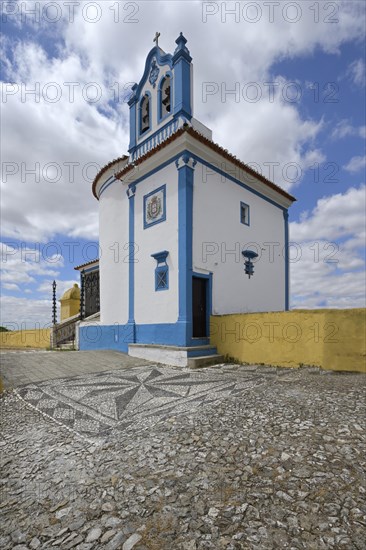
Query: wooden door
[{"x": 199, "y": 307}]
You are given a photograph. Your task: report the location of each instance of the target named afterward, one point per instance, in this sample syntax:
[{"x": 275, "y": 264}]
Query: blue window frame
[
  {"x": 161, "y": 270},
  {"x": 165, "y": 96},
  {"x": 244, "y": 213},
  {"x": 162, "y": 278},
  {"x": 145, "y": 114}
]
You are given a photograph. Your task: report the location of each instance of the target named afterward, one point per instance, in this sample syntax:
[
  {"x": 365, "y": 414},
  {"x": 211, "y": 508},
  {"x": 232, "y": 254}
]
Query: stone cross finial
[{"x": 156, "y": 39}]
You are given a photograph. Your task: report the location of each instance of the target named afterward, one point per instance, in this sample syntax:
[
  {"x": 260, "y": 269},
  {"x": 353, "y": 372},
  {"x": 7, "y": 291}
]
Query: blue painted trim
[
  {"x": 181, "y": 50},
  {"x": 157, "y": 169},
  {"x": 231, "y": 178},
  {"x": 209, "y": 165},
  {"x": 212, "y": 167},
  {"x": 131, "y": 265},
  {"x": 160, "y": 99},
  {"x": 133, "y": 122},
  {"x": 247, "y": 208},
  {"x": 182, "y": 89},
  {"x": 182, "y": 78},
  {"x": 185, "y": 247},
  {"x": 106, "y": 184},
  {"x": 162, "y": 59},
  {"x": 287, "y": 262},
  {"x": 152, "y": 136},
  {"x": 169, "y": 334},
  {"x": 163, "y": 218},
  {"x": 165, "y": 334},
  {"x": 145, "y": 132},
  {"x": 209, "y": 278},
  {"x": 115, "y": 337},
  {"x": 160, "y": 257}
]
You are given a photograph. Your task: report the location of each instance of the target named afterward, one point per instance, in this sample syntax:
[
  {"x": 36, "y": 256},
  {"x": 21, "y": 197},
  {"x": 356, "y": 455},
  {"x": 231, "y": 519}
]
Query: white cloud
[
  {"x": 23, "y": 313},
  {"x": 11, "y": 286},
  {"x": 47, "y": 136},
  {"x": 329, "y": 271},
  {"x": 22, "y": 264},
  {"x": 357, "y": 72},
  {"x": 46, "y": 286},
  {"x": 344, "y": 129},
  {"x": 111, "y": 53},
  {"x": 355, "y": 164},
  {"x": 333, "y": 217}
]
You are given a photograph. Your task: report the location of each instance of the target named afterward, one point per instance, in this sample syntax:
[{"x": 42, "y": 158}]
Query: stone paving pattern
[
  {"x": 24, "y": 367},
  {"x": 93, "y": 405},
  {"x": 266, "y": 458}
]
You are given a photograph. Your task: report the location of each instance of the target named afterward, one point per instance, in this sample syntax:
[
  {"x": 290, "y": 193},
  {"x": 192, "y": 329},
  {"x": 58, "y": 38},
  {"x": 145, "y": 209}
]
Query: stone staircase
[{"x": 193, "y": 357}]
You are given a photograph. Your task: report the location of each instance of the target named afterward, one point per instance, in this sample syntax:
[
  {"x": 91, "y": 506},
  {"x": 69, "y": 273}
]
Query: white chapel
[{"x": 187, "y": 230}]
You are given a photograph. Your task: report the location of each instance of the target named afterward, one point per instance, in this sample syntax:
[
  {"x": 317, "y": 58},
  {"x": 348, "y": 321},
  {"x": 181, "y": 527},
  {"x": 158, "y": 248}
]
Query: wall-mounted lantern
[{"x": 249, "y": 255}]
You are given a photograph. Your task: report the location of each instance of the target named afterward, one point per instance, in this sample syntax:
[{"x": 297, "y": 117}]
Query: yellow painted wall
[
  {"x": 69, "y": 308},
  {"x": 70, "y": 303},
  {"x": 36, "y": 339},
  {"x": 329, "y": 338}
]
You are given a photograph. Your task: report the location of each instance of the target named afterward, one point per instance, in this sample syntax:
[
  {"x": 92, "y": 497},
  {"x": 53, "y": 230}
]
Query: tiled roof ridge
[
  {"x": 87, "y": 263},
  {"x": 209, "y": 143},
  {"x": 104, "y": 169}
]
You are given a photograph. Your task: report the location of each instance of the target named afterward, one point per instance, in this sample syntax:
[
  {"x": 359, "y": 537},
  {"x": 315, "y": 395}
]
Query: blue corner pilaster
[
  {"x": 182, "y": 79},
  {"x": 133, "y": 104},
  {"x": 185, "y": 166},
  {"x": 287, "y": 262},
  {"x": 131, "y": 326}
]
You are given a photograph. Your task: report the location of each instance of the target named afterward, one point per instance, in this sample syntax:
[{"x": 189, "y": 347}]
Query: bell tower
[{"x": 162, "y": 101}]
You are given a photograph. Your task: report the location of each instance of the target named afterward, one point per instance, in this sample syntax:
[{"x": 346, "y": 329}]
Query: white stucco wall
[
  {"x": 216, "y": 220},
  {"x": 162, "y": 305},
  {"x": 113, "y": 241}
]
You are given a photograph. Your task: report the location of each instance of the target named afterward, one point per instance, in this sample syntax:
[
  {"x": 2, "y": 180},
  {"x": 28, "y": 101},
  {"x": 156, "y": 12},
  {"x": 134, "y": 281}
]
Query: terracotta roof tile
[
  {"x": 212, "y": 145},
  {"x": 223, "y": 152},
  {"x": 104, "y": 169},
  {"x": 87, "y": 263}
]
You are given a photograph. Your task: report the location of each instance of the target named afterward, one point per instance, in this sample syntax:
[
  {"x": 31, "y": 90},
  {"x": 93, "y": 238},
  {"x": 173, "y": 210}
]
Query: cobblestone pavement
[
  {"x": 19, "y": 367},
  {"x": 93, "y": 405},
  {"x": 263, "y": 458}
]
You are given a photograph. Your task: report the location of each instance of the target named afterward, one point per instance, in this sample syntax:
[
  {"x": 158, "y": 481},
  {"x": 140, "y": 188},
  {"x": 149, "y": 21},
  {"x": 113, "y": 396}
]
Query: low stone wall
[
  {"x": 18, "y": 339},
  {"x": 329, "y": 338}
]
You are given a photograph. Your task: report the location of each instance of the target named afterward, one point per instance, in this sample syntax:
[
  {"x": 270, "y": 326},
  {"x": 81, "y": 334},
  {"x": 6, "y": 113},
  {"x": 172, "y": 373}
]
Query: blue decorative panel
[{"x": 155, "y": 207}]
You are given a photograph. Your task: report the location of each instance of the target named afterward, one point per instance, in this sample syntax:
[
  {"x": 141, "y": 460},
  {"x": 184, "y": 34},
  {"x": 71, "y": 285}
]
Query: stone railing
[{"x": 64, "y": 332}]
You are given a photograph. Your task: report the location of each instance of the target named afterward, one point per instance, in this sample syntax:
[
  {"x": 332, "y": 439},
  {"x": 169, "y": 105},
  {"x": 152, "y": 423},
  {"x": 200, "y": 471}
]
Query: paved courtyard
[
  {"x": 23, "y": 367},
  {"x": 99, "y": 450}
]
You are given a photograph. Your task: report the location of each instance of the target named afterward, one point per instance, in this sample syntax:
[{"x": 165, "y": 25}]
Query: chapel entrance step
[
  {"x": 178, "y": 356},
  {"x": 205, "y": 361}
]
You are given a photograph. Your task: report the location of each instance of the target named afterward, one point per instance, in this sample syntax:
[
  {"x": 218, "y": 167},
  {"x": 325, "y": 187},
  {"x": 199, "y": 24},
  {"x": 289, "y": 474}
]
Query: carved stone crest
[
  {"x": 154, "y": 73},
  {"x": 154, "y": 208}
]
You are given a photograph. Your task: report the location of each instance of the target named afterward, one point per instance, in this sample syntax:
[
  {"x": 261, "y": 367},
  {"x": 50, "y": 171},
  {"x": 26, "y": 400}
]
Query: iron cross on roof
[{"x": 156, "y": 39}]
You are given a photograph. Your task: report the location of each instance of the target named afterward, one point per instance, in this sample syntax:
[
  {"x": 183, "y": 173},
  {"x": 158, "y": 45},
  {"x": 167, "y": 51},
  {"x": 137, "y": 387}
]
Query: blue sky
[{"x": 308, "y": 122}]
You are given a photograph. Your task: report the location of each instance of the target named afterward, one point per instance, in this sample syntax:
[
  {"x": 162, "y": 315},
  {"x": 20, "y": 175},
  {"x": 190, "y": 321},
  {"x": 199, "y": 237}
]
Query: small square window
[
  {"x": 244, "y": 213},
  {"x": 161, "y": 278}
]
